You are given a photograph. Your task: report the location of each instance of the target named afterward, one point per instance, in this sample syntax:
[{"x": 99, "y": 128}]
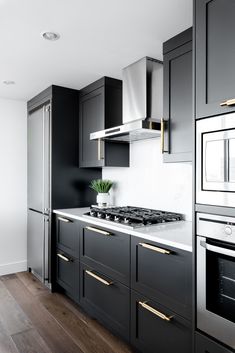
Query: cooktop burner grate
[{"x": 133, "y": 216}]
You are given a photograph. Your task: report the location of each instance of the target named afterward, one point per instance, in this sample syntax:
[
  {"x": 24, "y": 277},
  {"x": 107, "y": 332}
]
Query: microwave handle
[{"x": 217, "y": 249}]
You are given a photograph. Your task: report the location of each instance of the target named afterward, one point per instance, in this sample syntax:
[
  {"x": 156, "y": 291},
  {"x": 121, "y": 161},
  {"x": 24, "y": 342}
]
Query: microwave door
[{"x": 214, "y": 162}]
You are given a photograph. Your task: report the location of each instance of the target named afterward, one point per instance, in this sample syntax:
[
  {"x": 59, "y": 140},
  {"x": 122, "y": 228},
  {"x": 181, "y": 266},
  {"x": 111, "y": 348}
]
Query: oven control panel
[{"x": 216, "y": 227}]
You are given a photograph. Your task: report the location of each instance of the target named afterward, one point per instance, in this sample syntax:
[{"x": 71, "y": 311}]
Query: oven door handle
[{"x": 217, "y": 249}]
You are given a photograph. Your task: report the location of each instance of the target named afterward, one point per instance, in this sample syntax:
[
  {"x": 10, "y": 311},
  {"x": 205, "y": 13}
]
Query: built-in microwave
[{"x": 215, "y": 160}]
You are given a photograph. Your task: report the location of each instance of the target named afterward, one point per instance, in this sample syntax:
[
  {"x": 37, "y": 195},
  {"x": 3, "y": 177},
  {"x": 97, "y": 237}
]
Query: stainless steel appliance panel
[
  {"x": 134, "y": 89},
  {"x": 215, "y": 161},
  {"x": 35, "y": 159},
  {"x": 216, "y": 277},
  {"x": 46, "y": 159},
  {"x": 35, "y": 244}
]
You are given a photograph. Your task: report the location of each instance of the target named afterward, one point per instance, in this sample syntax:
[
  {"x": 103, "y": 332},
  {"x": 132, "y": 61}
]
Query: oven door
[
  {"x": 216, "y": 289},
  {"x": 216, "y": 160}
]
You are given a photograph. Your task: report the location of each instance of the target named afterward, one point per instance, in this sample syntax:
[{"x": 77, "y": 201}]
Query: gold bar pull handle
[
  {"x": 163, "y": 136},
  {"x": 155, "y": 248},
  {"x": 228, "y": 103},
  {"x": 100, "y": 150},
  {"x": 65, "y": 220},
  {"x": 66, "y": 259},
  {"x": 96, "y": 230},
  {"x": 155, "y": 312},
  {"x": 98, "y": 278}
]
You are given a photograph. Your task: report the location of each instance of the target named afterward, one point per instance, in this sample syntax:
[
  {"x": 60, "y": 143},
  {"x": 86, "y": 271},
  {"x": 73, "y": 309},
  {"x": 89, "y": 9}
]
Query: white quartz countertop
[{"x": 175, "y": 234}]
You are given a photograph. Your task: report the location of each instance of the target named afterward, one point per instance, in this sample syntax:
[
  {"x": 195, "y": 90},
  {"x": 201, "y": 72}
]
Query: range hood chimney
[{"x": 142, "y": 103}]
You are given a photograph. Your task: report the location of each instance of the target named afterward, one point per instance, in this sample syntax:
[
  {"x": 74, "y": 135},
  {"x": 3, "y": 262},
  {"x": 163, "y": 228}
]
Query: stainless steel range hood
[{"x": 142, "y": 103}]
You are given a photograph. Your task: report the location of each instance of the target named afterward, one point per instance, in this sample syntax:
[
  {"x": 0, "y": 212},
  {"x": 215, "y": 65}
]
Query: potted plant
[{"x": 102, "y": 187}]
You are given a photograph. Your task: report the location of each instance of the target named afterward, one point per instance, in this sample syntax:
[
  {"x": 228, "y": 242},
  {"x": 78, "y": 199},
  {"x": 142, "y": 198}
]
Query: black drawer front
[
  {"x": 106, "y": 251},
  {"x": 163, "y": 273},
  {"x": 67, "y": 273},
  {"x": 151, "y": 333},
  {"x": 67, "y": 235},
  {"x": 205, "y": 345},
  {"x": 106, "y": 300}
]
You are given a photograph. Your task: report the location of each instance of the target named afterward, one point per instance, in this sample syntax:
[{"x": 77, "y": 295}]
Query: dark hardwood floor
[{"x": 33, "y": 320}]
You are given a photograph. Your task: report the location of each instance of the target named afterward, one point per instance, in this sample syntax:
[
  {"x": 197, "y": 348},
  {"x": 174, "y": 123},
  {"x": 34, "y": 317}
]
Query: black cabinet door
[
  {"x": 102, "y": 248},
  {"x": 67, "y": 274},
  {"x": 178, "y": 107},
  {"x": 215, "y": 56},
  {"x": 91, "y": 119},
  {"x": 67, "y": 235},
  {"x": 100, "y": 107},
  {"x": 106, "y": 300},
  {"x": 155, "y": 328},
  {"x": 205, "y": 345},
  {"x": 162, "y": 273}
]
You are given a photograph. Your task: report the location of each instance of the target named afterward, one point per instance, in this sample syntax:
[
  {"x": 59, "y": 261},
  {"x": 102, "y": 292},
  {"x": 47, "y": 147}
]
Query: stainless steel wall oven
[
  {"x": 216, "y": 277},
  {"x": 215, "y": 160}
]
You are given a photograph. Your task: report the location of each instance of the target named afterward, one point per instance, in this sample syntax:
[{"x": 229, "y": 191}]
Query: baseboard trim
[{"x": 13, "y": 267}]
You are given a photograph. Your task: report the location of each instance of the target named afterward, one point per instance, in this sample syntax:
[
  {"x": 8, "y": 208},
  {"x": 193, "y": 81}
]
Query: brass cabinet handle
[
  {"x": 65, "y": 220},
  {"x": 63, "y": 257},
  {"x": 100, "y": 279},
  {"x": 155, "y": 312},
  {"x": 155, "y": 248},
  {"x": 100, "y": 150},
  {"x": 228, "y": 102},
  {"x": 96, "y": 230}
]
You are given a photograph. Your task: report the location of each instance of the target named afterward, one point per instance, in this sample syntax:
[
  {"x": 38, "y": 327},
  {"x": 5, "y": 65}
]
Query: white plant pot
[{"x": 103, "y": 199}]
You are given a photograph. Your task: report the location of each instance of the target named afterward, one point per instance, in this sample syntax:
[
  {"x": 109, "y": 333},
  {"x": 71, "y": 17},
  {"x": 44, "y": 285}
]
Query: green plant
[{"x": 101, "y": 186}]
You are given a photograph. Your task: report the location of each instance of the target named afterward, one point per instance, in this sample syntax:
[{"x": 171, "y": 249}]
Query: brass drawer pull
[
  {"x": 65, "y": 220},
  {"x": 155, "y": 248},
  {"x": 96, "y": 230},
  {"x": 63, "y": 257},
  {"x": 155, "y": 312},
  {"x": 92, "y": 274},
  {"x": 228, "y": 103}
]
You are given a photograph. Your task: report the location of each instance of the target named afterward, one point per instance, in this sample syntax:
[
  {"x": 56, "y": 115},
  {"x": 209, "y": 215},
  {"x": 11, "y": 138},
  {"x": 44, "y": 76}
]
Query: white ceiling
[{"x": 98, "y": 37}]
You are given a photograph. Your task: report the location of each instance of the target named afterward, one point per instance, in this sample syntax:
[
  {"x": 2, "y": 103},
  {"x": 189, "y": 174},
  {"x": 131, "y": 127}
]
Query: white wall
[
  {"x": 13, "y": 186},
  {"x": 151, "y": 183}
]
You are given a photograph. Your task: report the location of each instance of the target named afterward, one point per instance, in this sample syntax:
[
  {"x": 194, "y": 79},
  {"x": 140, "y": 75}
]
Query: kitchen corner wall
[
  {"x": 151, "y": 183},
  {"x": 13, "y": 186}
]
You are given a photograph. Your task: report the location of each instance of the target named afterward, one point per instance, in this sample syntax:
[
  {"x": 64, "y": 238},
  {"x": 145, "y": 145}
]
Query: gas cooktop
[{"x": 132, "y": 217}]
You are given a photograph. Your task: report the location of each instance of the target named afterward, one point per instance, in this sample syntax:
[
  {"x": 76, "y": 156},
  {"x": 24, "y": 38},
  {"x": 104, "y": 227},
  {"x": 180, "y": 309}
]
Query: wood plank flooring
[{"x": 33, "y": 320}]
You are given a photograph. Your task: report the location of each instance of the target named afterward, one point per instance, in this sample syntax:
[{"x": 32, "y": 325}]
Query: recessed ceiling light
[
  {"x": 52, "y": 36},
  {"x": 9, "y": 82}
]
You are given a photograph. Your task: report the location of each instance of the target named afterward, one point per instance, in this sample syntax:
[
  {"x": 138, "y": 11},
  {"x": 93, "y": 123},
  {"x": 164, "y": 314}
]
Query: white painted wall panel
[{"x": 151, "y": 183}]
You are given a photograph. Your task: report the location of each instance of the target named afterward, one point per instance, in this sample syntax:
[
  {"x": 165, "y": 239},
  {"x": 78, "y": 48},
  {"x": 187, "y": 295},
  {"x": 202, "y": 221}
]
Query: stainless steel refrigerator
[
  {"x": 54, "y": 178},
  {"x": 39, "y": 195}
]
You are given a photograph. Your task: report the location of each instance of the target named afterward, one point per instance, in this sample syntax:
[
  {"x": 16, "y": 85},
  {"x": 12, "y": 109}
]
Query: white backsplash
[{"x": 149, "y": 182}]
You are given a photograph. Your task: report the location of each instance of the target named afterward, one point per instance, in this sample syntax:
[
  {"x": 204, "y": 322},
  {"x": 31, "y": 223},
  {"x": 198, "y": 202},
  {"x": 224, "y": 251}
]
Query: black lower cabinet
[
  {"x": 67, "y": 235},
  {"x": 156, "y": 329},
  {"x": 162, "y": 273},
  {"x": 67, "y": 273},
  {"x": 105, "y": 300},
  {"x": 101, "y": 248},
  {"x": 205, "y": 345}
]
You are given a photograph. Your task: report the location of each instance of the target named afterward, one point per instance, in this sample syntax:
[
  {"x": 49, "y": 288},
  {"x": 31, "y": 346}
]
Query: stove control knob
[{"x": 228, "y": 230}]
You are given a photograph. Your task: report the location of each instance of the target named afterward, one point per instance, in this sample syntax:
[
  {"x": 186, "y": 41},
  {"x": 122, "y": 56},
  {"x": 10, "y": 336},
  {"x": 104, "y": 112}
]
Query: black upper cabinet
[
  {"x": 206, "y": 345},
  {"x": 100, "y": 107},
  {"x": 215, "y": 56},
  {"x": 178, "y": 108},
  {"x": 69, "y": 184}
]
